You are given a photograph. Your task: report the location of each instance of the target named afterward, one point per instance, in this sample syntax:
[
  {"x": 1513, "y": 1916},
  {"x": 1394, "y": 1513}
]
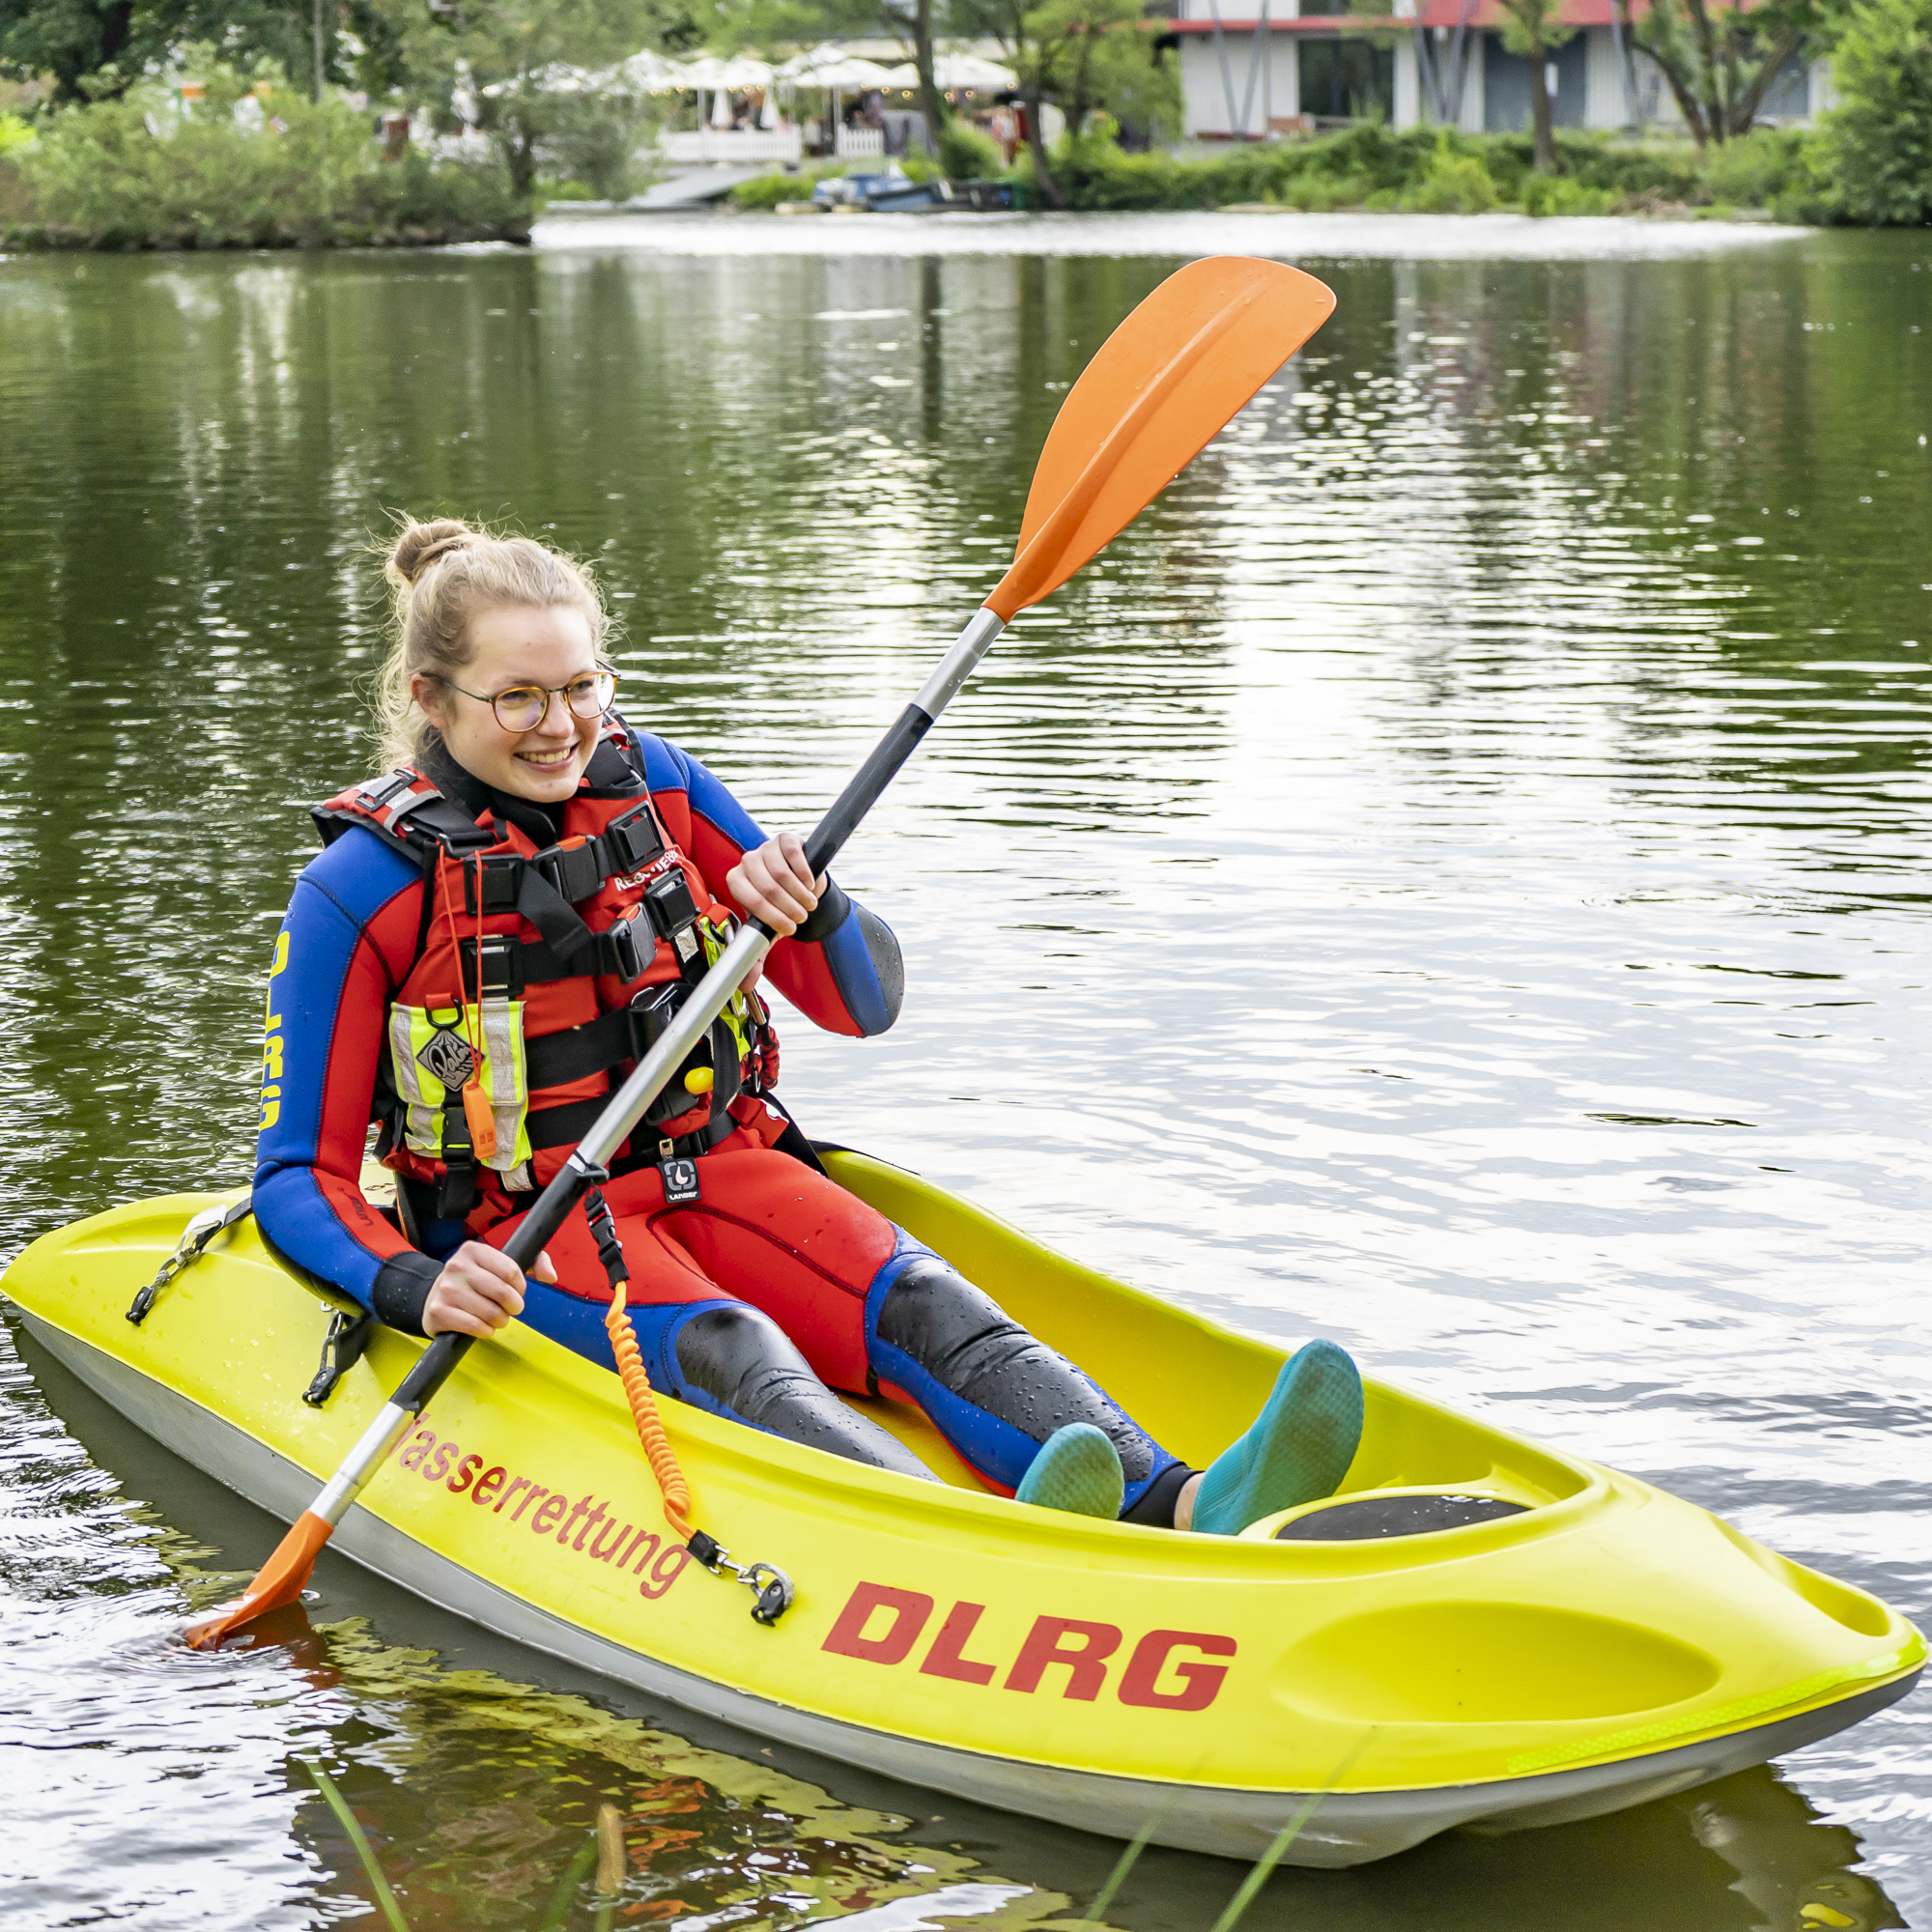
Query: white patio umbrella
[
  {"x": 957, "y": 71},
  {"x": 834, "y": 67},
  {"x": 708, "y": 72},
  {"x": 651, "y": 72}
]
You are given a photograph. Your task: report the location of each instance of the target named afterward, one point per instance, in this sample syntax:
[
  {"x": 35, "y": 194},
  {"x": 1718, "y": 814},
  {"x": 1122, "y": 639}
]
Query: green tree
[
  {"x": 1720, "y": 60},
  {"x": 1079, "y": 54},
  {"x": 1876, "y": 148},
  {"x": 1531, "y": 31},
  {"x": 95, "y": 48},
  {"x": 88, "y": 46},
  {"x": 912, "y": 21},
  {"x": 503, "y": 58}
]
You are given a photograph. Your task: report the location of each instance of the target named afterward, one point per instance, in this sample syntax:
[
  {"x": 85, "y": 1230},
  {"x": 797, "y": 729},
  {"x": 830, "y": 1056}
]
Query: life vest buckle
[
  {"x": 632, "y": 839},
  {"x": 575, "y": 870},
  {"x": 380, "y": 791},
  {"x": 503, "y": 971},
  {"x": 674, "y": 913},
  {"x": 495, "y": 878},
  {"x": 626, "y": 959}
]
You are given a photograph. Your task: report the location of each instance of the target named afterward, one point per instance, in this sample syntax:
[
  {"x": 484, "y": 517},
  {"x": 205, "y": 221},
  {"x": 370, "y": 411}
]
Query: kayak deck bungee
[{"x": 1574, "y": 1641}]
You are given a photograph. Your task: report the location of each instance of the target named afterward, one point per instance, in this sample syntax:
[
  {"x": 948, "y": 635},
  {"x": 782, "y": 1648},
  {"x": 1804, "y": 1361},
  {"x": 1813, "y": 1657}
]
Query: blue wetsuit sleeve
[{"x": 345, "y": 942}]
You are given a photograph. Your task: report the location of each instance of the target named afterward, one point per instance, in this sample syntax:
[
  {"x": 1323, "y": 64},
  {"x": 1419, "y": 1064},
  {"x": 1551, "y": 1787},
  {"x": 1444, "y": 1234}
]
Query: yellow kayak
[{"x": 1475, "y": 1632}]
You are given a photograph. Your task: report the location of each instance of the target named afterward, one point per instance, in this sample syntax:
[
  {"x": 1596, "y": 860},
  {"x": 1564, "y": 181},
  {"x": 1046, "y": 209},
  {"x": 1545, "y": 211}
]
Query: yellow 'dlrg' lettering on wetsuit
[{"x": 271, "y": 1043}]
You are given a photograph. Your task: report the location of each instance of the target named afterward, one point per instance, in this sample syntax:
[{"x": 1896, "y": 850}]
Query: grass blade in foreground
[
  {"x": 1124, "y": 1864},
  {"x": 360, "y": 1839},
  {"x": 1160, "y": 388},
  {"x": 1285, "y": 1837}
]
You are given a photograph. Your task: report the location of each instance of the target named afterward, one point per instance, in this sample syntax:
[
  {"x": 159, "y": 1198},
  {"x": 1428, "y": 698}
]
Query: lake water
[{"x": 1452, "y": 878}]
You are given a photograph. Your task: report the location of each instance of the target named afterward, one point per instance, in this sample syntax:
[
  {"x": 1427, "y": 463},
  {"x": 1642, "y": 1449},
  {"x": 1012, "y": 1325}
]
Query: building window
[
  {"x": 1506, "y": 85},
  {"x": 1347, "y": 80}
]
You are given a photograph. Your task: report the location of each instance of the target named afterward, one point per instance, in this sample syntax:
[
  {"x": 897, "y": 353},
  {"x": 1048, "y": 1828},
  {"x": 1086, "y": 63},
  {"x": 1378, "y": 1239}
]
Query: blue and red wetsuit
[{"x": 753, "y": 1301}]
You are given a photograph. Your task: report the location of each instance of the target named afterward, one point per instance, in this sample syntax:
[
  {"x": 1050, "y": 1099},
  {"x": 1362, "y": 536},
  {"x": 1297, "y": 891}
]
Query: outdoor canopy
[
  {"x": 831, "y": 65},
  {"x": 740, "y": 71},
  {"x": 957, "y": 71}
]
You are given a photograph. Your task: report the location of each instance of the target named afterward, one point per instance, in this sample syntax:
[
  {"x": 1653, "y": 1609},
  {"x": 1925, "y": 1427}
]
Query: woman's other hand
[
  {"x": 774, "y": 884},
  {"x": 478, "y": 1292}
]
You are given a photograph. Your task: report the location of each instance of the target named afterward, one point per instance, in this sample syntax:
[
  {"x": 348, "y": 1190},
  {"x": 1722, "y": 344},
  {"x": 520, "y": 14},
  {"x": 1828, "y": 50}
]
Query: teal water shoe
[
  {"x": 1078, "y": 1471},
  {"x": 1296, "y": 1450}
]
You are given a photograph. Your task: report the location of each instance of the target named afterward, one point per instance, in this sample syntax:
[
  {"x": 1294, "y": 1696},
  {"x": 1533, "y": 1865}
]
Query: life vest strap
[
  {"x": 512, "y": 965},
  {"x": 556, "y": 1059},
  {"x": 566, "y": 1126}
]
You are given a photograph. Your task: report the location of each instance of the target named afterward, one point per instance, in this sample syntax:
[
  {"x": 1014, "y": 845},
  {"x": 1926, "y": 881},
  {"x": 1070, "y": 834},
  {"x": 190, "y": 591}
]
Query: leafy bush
[
  {"x": 1874, "y": 157},
  {"x": 1454, "y": 184},
  {"x": 253, "y": 164},
  {"x": 766, "y": 192},
  {"x": 1756, "y": 170},
  {"x": 1437, "y": 170},
  {"x": 1560, "y": 194},
  {"x": 965, "y": 154},
  {"x": 14, "y": 133},
  {"x": 595, "y": 138}
]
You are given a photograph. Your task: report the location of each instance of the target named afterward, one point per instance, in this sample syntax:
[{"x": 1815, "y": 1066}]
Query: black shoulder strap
[{"x": 611, "y": 772}]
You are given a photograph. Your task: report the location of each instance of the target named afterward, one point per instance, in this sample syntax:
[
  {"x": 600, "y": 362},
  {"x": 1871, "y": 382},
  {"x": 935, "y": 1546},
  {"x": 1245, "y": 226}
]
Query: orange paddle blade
[
  {"x": 1162, "y": 386},
  {"x": 278, "y": 1583}
]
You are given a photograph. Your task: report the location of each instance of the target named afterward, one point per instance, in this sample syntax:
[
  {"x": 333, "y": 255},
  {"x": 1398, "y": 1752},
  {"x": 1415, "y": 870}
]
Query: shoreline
[{"x": 1363, "y": 232}]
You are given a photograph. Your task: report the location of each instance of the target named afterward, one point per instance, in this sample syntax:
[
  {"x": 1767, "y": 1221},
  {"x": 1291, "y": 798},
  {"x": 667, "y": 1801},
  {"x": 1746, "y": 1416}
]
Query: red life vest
[{"x": 587, "y": 945}]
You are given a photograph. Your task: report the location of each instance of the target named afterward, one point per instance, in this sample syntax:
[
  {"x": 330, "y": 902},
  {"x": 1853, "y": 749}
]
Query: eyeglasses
[{"x": 524, "y": 706}]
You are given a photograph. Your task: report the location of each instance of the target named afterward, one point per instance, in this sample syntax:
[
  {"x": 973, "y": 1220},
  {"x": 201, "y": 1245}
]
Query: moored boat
[{"x": 1475, "y": 1632}]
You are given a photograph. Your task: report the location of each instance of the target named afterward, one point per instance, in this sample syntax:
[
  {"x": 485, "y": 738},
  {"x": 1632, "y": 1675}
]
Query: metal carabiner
[
  {"x": 197, "y": 1235},
  {"x": 766, "y": 1581},
  {"x": 772, "y": 1587}
]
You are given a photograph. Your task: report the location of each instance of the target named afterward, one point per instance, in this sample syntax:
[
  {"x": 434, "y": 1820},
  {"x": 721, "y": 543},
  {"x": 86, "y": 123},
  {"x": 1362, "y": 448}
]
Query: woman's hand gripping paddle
[{"x": 1164, "y": 384}]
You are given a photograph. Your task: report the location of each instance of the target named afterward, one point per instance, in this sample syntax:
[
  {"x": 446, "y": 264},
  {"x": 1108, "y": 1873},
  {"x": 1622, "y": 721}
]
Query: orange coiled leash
[{"x": 771, "y": 1586}]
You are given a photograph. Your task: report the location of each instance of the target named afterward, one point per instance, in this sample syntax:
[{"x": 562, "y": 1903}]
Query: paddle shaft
[{"x": 691, "y": 1022}]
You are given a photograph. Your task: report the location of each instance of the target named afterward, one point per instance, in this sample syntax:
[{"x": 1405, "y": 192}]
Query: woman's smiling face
[{"x": 512, "y": 646}]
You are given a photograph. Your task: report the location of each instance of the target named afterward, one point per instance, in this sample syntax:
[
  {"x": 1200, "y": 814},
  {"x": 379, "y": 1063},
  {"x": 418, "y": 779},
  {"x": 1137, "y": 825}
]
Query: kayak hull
[{"x": 1056, "y": 1772}]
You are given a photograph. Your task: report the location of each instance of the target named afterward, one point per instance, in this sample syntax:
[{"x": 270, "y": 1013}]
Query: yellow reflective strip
[
  {"x": 505, "y": 1078},
  {"x": 419, "y": 1090}
]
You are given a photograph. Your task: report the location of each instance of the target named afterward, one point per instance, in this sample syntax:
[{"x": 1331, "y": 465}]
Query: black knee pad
[
  {"x": 971, "y": 1347},
  {"x": 728, "y": 1352},
  {"x": 746, "y": 1363}
]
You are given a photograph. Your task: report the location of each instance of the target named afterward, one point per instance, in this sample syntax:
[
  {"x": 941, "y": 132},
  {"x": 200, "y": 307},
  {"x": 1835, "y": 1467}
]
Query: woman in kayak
[{"x": 496, "y": 931}]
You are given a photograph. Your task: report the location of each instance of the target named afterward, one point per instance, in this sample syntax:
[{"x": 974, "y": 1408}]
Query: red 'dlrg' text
[{"x": 1164, "y": 1671}]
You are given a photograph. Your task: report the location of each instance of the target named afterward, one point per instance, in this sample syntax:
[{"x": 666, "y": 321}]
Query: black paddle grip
[
  {"x": 438, "y": 1362},
  {"x": 860, "y": 796},
  {"x": 434, "y": 1367}
]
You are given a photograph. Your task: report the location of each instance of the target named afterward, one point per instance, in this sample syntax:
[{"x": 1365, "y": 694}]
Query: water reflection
[{"x": 1451, "y": 878}]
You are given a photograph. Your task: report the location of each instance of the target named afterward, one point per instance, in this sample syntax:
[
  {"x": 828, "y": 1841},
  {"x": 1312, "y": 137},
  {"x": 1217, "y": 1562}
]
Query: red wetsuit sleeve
[{"x": 842, "y": 969}]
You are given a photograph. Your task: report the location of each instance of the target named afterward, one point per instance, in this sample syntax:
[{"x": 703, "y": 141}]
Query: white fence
[
  {"x": 727, "y": 144},
  {"x": 725, "y": 147}
]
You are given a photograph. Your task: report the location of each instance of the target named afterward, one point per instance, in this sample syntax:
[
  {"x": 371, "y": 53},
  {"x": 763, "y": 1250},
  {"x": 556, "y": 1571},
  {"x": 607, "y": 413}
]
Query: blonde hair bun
[
  {"x": 417, "y": 546},
  {"x": 443, "y": 575}
]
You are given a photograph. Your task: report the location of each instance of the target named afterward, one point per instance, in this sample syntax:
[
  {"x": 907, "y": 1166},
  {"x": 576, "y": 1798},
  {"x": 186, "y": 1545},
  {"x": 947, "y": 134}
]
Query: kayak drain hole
[{"x": 1371, "y": 1516}]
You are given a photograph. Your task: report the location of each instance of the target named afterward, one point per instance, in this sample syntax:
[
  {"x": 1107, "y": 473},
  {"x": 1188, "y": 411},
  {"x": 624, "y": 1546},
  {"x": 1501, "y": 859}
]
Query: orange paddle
[{"x": 1161, "y": 386}]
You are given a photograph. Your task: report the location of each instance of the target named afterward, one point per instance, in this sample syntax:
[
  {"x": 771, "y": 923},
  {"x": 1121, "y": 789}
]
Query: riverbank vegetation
[
  {"x": 109, "y": 154},
  {"x": 1424, "y": 170},
  {"x": 252, "y": 164},
  {"x": 1866, "y": 163}
]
